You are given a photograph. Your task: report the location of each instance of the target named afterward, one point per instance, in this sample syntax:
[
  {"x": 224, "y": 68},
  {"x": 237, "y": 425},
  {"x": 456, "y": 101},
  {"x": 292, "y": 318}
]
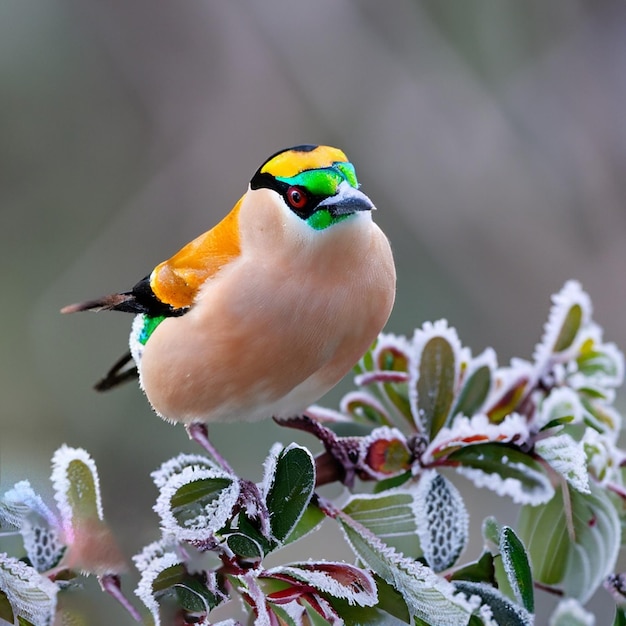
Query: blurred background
[{"x": 491, "y": 136}]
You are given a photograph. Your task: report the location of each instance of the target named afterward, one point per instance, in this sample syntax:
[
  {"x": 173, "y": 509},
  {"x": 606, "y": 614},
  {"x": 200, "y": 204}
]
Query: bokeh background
[{"x": 491, "y": 134}]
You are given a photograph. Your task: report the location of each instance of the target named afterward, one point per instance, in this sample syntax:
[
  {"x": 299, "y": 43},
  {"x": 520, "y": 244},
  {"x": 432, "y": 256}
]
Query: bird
[{"x": 263, "y": 314}]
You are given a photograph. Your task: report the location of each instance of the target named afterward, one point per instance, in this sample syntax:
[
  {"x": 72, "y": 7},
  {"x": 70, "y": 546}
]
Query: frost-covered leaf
[
  {"x": 76, "y": 486},
  {"x": 92, "y": 548},
  {"x": 19, "y": 502},
  {"x": 165, "y": 579},
  {"x": 178, "y": 463},
  {"x": 362, "y": 407},
  {"x": 464, "y": 431},
  {"x": 32, "y": 597},
  {"x": 510, "y": 387},
  {"x": 386, "y": 453},
  {"x": 567, "y": 457},
  {"x": 288, "y": 485},
  {"x": 196, "y": 503},
  {"x": 570, "y": 313},
  {"x": 338, "y": 580},
  {"x": 603, "y": 363},
  {"x": 604, "y": 418},
  {"x": 442, "y": 520},
  {"x": 23, "y": 509},
  {"x": 427, "y": 596},
  {"x": 505, "y": 470},
  {"x": 501, "y": 609},
  {"x": 480, "y": 571},
  {"x": 434, "y": 376},
  {"x": 570, "y": 612},
  {"x": 477, "y": 382},
  {"x": 561, "y": 406},
  {"x": 311, "y": 519},
  {"x": 579, "y": 564},
  {"x": 43, "y": 543},
  {"x": 390, "y": 356},
  {"x": 425, "y": 519},
  {"x": 517, "y": 568},
  {"x": 391, "y": 517}
]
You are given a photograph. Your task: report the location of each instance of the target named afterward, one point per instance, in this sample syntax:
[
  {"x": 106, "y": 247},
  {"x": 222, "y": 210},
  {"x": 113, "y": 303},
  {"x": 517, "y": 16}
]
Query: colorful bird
[{"x": 264, "y": 313}]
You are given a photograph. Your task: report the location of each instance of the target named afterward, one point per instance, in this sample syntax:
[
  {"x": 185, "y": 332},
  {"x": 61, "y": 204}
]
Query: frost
[
  {"x": 20, "y": 501},
  {"x": 561, "y": 403},
  {"x": 427, "y": 596},
  {"x": 42, "y": 542},
  {"x": 567, "y": 457},
  {"x": 421, "y": 338},
  {"x": 339, "y": 580},
  {"x": 199, "y": 520},
  {"x": 570, "y": 297},
  {"x": 145, "y": 591},
  {"x": 153, "y": 551},
  {"x": 178, "y": 463},
  {"x": 31, "y": 595},
  {"x": 442, "y": 520},
  {"x": 569, "y": 612},
  {"x": 269, "y": 468},
  {"x": 511, "y": 487},
  {"x": 603, "y": 457},
  {"x": 63, "y": 483},
  {"x": 466, "y": 431}
]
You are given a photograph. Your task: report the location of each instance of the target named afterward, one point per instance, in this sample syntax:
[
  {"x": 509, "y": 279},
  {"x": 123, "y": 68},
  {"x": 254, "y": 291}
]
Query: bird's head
[{"x": 317, "y": 184}]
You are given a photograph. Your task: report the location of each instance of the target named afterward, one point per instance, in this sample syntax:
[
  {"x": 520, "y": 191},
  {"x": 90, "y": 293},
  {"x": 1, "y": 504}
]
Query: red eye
[{"x": 296, "y": 197}]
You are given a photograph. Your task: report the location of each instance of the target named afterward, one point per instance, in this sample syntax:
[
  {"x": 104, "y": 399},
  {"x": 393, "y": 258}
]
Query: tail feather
[{"x": 114, "y": 302}]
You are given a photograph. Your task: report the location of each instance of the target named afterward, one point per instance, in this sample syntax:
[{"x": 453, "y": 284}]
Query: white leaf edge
[
  {"x": 31, "y": 595},
  {"x": 566, "y": 456},
  {"x": 569, "y": 612},
  {"x": 60, "y": 484},
  {"x": 571, "y": 294},
  {"x": 176, "y": 465},
  {"x": 403, "y": 574},
  {"x": 510, "y": 486},
  {"x": 421, "y": 337},
  {"x": 513, "y": 427},
  {"x": 325, "y": 583},
  {"x": 215, "y": 517},
  {"x": 419, "y": 506}
]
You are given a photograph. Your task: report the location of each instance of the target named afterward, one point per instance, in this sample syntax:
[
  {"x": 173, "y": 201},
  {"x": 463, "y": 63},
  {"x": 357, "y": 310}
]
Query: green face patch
[
  {"x": 325, "y": 181},
  {"x": 323, "y": 219},
  {"x": 149, "y": 326}
]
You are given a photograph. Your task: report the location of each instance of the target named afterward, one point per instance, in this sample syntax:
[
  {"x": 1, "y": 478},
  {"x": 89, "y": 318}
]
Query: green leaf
[
  {"x": 391, "y": 483},
  {"x": 6, "y": 612},
  {"x": 620, "y": 617},
  {"x": 194, "y": 597},
  {"x": 505, "y": 470},
  {"x": 391, "y": 517},
  {"x": 203, "y": 490},
  {"x": 435, "y": 384},
  {"x": 310, "y": 520},
  {"x": 474, "y": 392},
  {"x": 427, "y": 596},
  {"x": 517, "y": 568},
  {"x": 481, "y": 571},
  {"x": 244, "y": 547},
  {"x": 570, "y": 612},
  {"x": 291, "y": 488},
  {"x": 578, "y": 564},
  {"x": 569, "y": 329},
  {"x": 491, "y": 530},
  {"x": 503, "y": 610}
]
